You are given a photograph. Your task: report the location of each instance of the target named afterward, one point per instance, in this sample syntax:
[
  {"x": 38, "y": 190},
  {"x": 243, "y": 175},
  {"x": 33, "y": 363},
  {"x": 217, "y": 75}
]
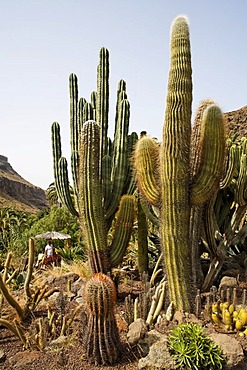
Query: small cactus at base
[
  {"x": 228, "y": 317},
  {"x": 102, "y": 339}
]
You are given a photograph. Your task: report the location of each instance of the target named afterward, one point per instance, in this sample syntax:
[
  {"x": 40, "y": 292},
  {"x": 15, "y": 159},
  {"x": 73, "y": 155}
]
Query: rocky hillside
[
  {"x": 18, "y": 193},
  {"x": 237, "y": 121}
]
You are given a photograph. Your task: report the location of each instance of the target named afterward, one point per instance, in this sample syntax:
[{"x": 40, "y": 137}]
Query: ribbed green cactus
[
  {"x": 164, "y": 175},
  {"x": 111, "y": 170},
  {"x": 102, "y": 178},
  {"x": 225, "y": 213},
  {"x": 102, "y": 339}
]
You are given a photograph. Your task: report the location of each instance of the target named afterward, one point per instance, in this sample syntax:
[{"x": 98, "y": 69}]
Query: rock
[
  {"x": 23, "y": 359},
  {"x": 150, "y": 338},
  {"x": 79, "y": 300},
  {"x": 179, "y": 317},
  {"x": 157, "y": 358},
  {"x": 80, "y": 292},
  {"x": 59, "y": 342},
  {"x": 2, "y": 356},
  {"x": 54, "y": 299},
  {"x": 18, "y": 193},
  {"x": 137, "y": 330},
  {"x": 236, "y": 122},
  {"x": 121, "y": 323},
  {"x": 231, "y": 349},
  {"x": 229, "y": 282}
]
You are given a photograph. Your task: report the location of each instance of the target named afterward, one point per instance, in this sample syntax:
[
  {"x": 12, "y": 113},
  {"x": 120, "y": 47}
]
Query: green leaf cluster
[{"x": 193, "y": 349}]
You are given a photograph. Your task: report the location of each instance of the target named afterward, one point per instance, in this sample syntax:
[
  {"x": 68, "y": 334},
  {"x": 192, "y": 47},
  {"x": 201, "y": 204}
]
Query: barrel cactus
[{"x": 102, "y": 339}]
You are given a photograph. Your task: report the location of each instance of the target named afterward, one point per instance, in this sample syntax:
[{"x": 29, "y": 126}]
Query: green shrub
[{"x": 193, "y": 349}]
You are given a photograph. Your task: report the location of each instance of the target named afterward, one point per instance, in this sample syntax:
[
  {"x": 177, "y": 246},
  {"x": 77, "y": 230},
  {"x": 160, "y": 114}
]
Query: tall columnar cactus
[
  {"x": 111, "y": 170},
  {"x": 101, "y": 175},
  {"x": 164, "y": 172}
]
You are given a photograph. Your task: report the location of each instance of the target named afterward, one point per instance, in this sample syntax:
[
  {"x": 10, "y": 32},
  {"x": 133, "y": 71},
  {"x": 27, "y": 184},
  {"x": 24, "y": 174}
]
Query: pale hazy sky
[{"x": 43, "y": 41}]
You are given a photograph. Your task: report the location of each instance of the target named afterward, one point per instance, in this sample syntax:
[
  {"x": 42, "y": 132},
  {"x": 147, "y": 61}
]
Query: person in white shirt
[{"x": 49, "y": 252}]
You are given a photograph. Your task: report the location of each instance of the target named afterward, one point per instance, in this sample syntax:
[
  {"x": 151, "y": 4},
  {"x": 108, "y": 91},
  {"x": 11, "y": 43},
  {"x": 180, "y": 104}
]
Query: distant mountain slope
[
  {"x": 237, "y": 121},
  {"x": 18, "y": 193}
]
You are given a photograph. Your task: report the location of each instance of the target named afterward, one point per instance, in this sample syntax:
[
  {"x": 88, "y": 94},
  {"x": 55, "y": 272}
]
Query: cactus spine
[{"x": 174, "y": 191}]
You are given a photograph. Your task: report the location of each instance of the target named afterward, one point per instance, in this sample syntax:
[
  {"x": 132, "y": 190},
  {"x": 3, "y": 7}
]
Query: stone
[
  {"x": 228, "y": 281},
  {"x": 18, "y": 193},
  {"x": 2, "y": 356},
  {"x": 158, "y": 358},
  {"x": 231, "y": 349},
  {"x": 22, "y": 359},
  {"x": 58, "y": 342},
  {"x": 79, "y": 300},
  {"x": 137, "y": 330},
  {"x": 150, "y": 338}
]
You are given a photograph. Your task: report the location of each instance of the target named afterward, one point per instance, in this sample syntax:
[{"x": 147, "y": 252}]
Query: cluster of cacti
[
  {"x": 34, "y": 333},
  {"x": 228, "y": 316},
  {"x": 100, "y": 168},
  {"x": 101, "y": 177},
  {"x": 32, "y": 297},
  {"x": 164, "y": 172},
  {"x": 150, "y": 303},
  {"x": 225, "y": 214}
]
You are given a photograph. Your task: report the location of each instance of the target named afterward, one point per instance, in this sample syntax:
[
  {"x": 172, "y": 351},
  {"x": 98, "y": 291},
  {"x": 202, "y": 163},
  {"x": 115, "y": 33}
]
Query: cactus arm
[
  {"x": 197, "y": 212},
  {"x": 241, "y": 181},
  {"x": 11, "y": 300},
  {"x": 149, "y": 212},
  {"x": 212, "y": 147},
  {"x": 63, "y": 179},
  {"x": 90, "y": 197},
  {"x": 106, "y": 177},
  {"x": 74, "y": 170},
  {"x": 142, "y": 254},
  {"x": 230, "y": 167},
  {"x": 146, "y": 164},
  {"x": 211, "y": 225},
  {"x": 175, "y": 153},
  {"x": 94, "y": 103},
  {"x": 130, "y": 182},
  {"x": 121, "y": 94},
  {"x": 88, "y": 112},
  {"x": 119, "y": 161},
  {"x": 103, "y": 97},
  {"x": 29, "y": 268},
  {"x": 6, "y": 266},
  {"x": 82, "y": 102},
  {"x": 123, "y": 229},
  {"x": 57, "y": 153},
  {"x": 9, "y": 326},
  {"x": 73, "y": 89},
  {"x": 94, "y": 99},
  {"x": 195, "y": 153},
  {"x": 61, "y": 172}
]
